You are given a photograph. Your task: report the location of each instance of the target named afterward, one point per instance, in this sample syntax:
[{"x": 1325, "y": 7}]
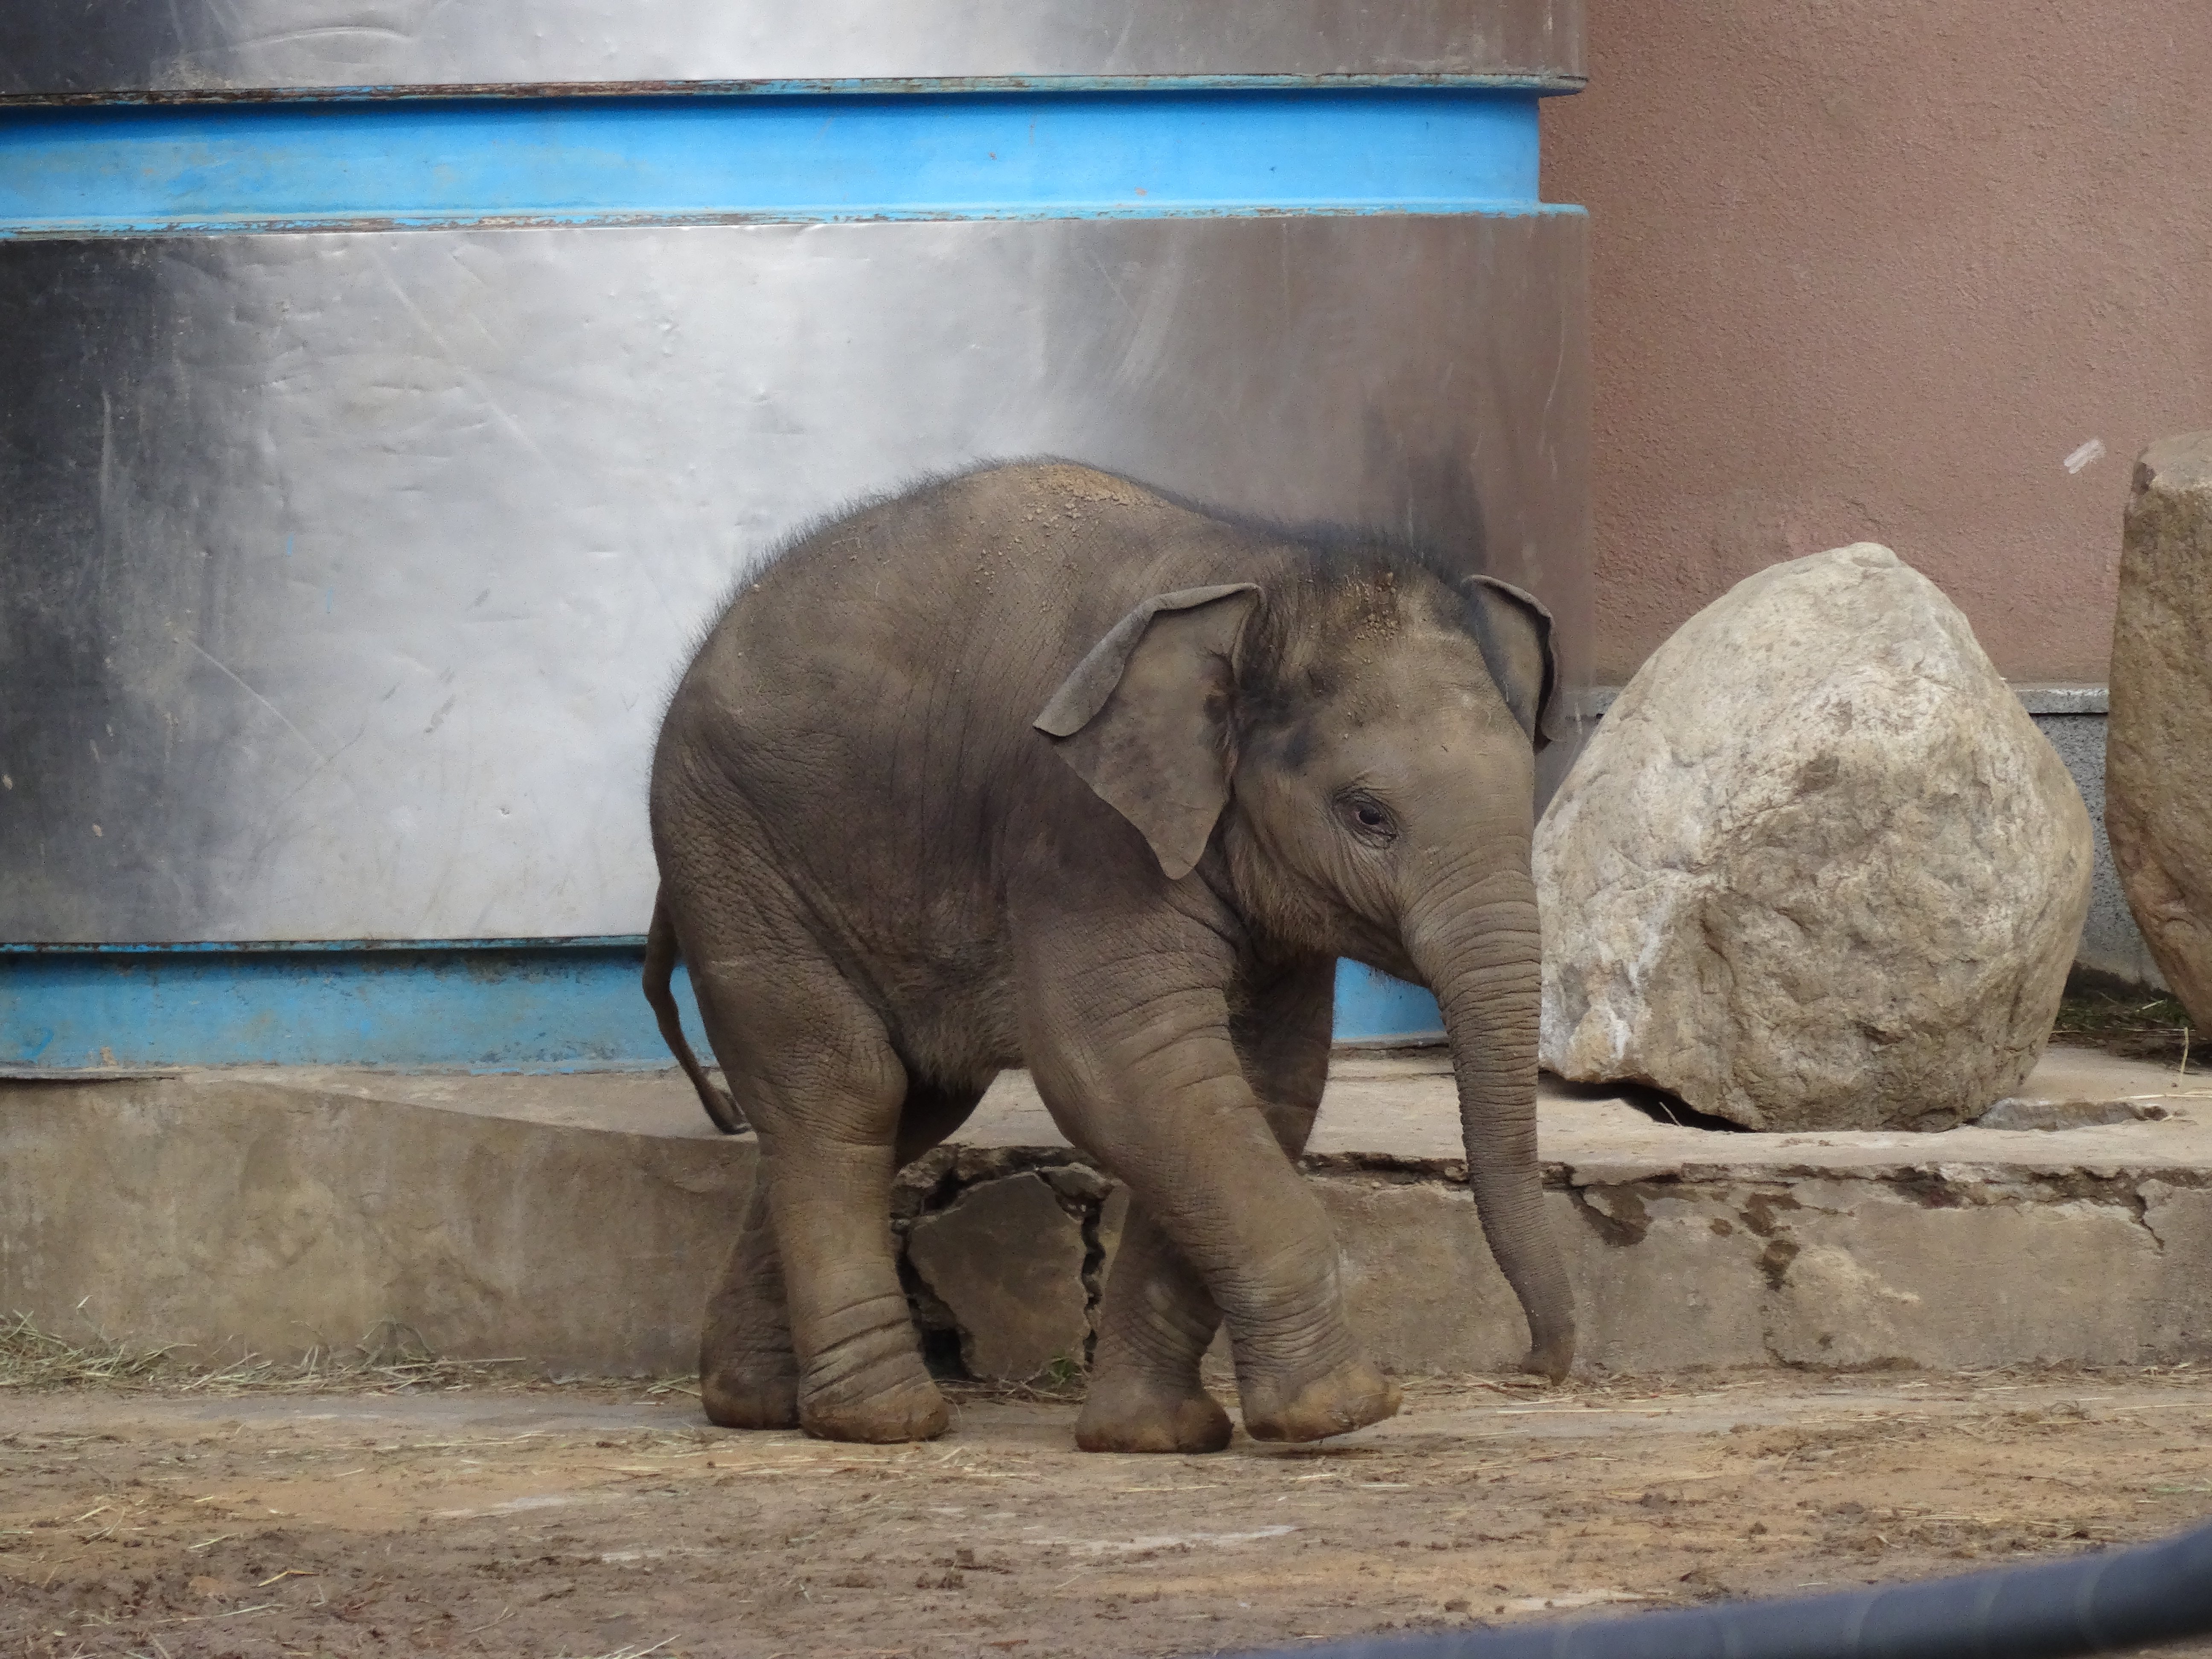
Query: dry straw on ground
[{"x": 388, "y": 1360}]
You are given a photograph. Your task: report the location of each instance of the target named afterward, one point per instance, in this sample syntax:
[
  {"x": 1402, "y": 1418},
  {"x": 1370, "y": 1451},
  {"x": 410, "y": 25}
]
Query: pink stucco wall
[{"x": 1873, "y": 269}]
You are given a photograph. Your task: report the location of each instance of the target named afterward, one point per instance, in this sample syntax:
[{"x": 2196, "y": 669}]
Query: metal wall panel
[
  {"x": 345, "y": 573},
  {"x": 89, "y": 47}
]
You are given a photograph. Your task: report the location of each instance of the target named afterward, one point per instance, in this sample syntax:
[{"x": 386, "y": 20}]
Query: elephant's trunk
[{"x": 1478, "y": 945}]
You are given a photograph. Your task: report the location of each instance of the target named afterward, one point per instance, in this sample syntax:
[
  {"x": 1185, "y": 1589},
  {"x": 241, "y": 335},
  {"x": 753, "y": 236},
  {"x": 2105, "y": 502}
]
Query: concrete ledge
[
  {"x": 1592, "y": 701},
  {"x": 230, "y": 1212},
  {"x": 2064, "y": 699},
  {"x": 577, "y": 1221}
]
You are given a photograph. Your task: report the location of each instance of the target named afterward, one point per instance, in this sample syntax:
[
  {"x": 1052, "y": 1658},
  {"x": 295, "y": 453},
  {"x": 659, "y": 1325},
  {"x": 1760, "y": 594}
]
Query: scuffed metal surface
[
  {"x": 51, "y": 48},
  {"x": 1493, "y": 80},
  {"x": 347, "y": 573}
]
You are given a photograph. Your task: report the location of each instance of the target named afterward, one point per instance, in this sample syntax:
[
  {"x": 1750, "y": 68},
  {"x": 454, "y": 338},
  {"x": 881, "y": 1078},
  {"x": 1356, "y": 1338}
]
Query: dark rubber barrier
[{"x": 2104, "y": 1603}]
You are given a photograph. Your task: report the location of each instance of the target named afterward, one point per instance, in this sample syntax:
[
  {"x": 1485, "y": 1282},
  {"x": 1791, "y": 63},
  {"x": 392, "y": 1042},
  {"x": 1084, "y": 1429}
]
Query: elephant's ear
[
  {"x": 1513, "y": 631},
  {"x": 1143, "y": 718}
]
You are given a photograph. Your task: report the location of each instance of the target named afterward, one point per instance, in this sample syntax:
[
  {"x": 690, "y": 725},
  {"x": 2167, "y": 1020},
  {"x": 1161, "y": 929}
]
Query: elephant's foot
[
  {"x": 886, "y": 1397},
  {"x": 907, "y": 1407},
  {"x": 1128, "y": 1413},
  {"x": 763, "y": 1397},
  {"x": 1338, "y": 1401}
]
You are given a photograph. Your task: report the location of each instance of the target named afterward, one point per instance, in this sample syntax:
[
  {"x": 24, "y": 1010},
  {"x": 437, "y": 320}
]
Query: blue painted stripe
[
  {"x": 505, "y": 1006},
  {"x": 499, "y": 1008},
  {"x": 634, "y": 942},
  {"x": 143, "y": 169}
]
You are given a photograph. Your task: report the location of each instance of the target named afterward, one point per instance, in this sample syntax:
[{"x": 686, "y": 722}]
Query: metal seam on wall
[
  {"x": 488, "y": 162},
  {"x": 1548, "y": 85},
  {"x": 212, "y": 947}
]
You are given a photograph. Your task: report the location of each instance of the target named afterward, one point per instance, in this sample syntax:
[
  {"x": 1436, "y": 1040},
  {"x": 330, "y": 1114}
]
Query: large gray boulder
[
  {"x": 2158, "y": 754},
  {"x": 1818, "y": 869}
]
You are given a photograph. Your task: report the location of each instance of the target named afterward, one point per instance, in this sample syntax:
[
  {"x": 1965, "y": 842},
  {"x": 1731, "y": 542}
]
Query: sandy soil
[{"x": 586, "y": 1521}]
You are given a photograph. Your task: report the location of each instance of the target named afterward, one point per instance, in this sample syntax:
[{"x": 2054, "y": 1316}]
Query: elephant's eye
[{"x": 1368, "y": 817}]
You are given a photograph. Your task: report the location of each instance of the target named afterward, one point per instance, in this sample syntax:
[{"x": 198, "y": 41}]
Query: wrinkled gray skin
[{"x": 1035, "y": 767}]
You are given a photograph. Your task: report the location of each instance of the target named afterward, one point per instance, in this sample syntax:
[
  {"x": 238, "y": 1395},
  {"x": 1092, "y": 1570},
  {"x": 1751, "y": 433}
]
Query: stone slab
[
  {"x": 1006, "y": 1259},
  {"x": 577, "y": 1221}
]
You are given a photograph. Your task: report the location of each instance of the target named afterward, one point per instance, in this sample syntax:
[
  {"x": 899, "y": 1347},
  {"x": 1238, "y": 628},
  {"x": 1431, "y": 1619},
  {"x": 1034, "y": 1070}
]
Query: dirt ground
[{"x": 591, "y": 1520}]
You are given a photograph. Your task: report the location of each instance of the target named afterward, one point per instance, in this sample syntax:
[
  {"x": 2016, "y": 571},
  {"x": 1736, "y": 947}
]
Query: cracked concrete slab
[
  {"x": 1005, "y": 1259},
  {"x": 576, "y": 1221}
]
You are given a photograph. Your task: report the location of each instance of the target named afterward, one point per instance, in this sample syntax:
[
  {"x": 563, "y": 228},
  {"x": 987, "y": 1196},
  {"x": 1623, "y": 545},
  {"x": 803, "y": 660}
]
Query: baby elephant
[{"x": 1035, "y": 765}]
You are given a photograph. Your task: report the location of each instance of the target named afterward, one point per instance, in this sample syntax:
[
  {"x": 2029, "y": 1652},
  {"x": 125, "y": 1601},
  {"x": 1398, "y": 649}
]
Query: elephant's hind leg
[
  {"x": 826, "y": 1091},
  {"x": 748, "y": 1371},
  {"x": 747, "y": 1368},
  {"x": 860, "y": 1375}
]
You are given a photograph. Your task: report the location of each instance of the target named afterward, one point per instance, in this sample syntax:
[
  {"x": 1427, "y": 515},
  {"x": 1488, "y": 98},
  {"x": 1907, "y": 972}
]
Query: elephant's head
[{"x": 1360, "y": 737}]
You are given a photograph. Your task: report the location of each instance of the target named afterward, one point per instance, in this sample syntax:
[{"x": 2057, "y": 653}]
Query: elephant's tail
[{"x": 660, "y": 966}]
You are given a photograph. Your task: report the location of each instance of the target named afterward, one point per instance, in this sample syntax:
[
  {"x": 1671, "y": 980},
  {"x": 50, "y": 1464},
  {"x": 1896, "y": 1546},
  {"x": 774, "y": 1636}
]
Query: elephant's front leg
[
  {"x": 1132, "y": 1048},
  {"x": 1155, "y": 1322},
  {"x": 1157, "y": 1318}
]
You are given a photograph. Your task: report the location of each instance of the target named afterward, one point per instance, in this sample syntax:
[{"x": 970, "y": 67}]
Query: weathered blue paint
[
  {"x": 129, "y": 170},
  {"x": 491, "y": 1004},
  {"x": 501, "y": 1005},
  {"x": 313, "y": 946},
  {"x": 1372, "y": 1007}
]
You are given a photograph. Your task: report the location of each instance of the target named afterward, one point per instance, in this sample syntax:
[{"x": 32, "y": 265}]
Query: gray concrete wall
[
  {"x": 2111, "y": 942},
  {"x": 1711, "y": 1269},
  {"x": 225, "y": 1216}
]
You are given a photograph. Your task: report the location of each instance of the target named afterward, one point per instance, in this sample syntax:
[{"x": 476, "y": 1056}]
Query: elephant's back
[
  {"x": 879, "y": 678},
  {"x": 1009, "y": 547},
  {"x": 961, "y": 603}
]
